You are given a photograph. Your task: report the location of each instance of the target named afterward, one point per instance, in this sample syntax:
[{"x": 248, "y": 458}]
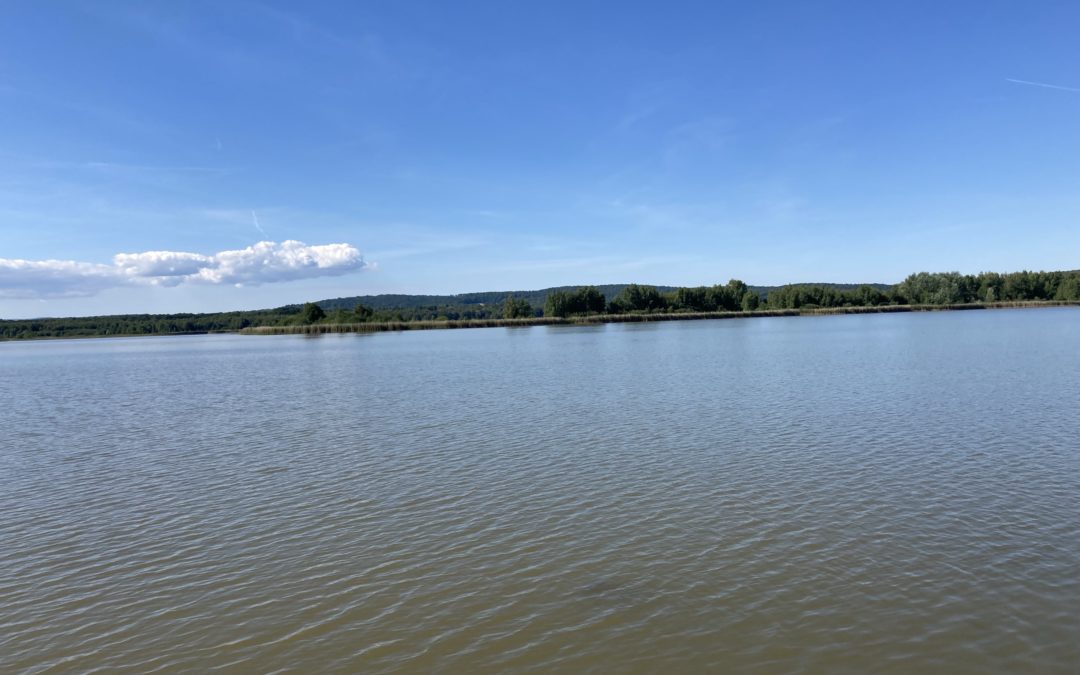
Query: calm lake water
[{"x": 889, "y": 493}]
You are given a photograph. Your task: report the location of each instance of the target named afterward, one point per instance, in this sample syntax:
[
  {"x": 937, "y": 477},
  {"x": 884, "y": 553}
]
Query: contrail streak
[
  {"x": 255, "y": 219},
  {"x": 1041, "y": 84}
]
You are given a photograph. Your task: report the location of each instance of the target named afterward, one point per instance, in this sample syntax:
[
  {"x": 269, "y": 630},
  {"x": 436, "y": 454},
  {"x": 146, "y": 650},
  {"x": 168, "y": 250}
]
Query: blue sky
[{"x": 448, "y": 147}]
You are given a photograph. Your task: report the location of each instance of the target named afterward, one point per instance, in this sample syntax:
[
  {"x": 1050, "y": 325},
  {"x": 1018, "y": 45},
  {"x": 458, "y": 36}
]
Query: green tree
[
  {"x": 734, "y": 292},
  {"x": 516, "y": 309},
  {"x": 1069, "y": 288},
  {"x": 696, "y": 299},
  {"x": 312, "y": 313},
  {"x": 363, "y": 314},
  {"x": 557, "y": 304},
  {"x": 635, "y": 298},
  {"x": 867, "y": 296},
  {"x": 941, "y": 288},
  {"x": 750, "y": 301},
  {"x": 585, "y": 300}
]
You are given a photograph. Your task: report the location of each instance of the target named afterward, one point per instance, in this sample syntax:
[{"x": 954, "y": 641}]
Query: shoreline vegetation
[
  {"x": 580, "y": 320},
  {"x": 596, "y": 319},
  {"x": 583, "y": 305}
]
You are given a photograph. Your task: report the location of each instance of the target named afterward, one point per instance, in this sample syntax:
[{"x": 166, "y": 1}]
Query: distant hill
[
  {"x": 535, "y": 298},
  {"x": 945, "y": 289}
]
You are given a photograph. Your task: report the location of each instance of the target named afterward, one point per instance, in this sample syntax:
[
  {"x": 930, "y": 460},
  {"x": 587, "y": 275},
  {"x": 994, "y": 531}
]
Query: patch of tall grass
[{"x": 383, "y": 326}]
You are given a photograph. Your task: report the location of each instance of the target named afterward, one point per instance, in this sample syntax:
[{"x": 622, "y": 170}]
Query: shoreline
[
  {"x": 596, "y": 319},
  {"x": 392, "y": 326}
]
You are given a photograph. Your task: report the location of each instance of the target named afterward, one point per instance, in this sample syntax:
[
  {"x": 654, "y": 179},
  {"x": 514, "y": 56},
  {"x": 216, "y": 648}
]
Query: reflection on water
[{"x": 888, "y": 493}]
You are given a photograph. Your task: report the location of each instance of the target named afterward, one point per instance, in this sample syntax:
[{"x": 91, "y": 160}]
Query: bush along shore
[{"x": 383, "y": 326}]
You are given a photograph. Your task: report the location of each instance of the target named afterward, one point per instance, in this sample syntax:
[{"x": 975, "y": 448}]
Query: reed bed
[
  {"x": 384, "y": 326},
  {"x": 942, "y": 308}
]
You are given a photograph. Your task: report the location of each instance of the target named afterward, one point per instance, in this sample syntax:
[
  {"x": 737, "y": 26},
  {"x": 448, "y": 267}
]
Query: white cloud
[
  {"x": 161, "y": 265},
  {"x": 53, "y": 278},
  {"x": 264, "y": 262},
  {"x": 268, "y": 262}
]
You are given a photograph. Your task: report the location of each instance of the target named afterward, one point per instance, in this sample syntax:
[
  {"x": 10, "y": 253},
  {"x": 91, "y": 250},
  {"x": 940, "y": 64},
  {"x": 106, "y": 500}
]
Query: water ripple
[{"x": 847, "y": 494}]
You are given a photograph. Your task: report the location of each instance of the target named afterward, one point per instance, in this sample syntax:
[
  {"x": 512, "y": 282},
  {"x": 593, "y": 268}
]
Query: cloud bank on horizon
[{"x": 262, "y": 263}]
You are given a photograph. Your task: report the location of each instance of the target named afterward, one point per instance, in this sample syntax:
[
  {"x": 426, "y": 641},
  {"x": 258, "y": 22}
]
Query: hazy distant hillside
[{"x": 534, "y": 298}]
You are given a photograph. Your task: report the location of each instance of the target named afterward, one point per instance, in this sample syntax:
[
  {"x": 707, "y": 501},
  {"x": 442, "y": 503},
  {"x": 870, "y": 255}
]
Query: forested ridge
[{"x": 935, "y": 289}]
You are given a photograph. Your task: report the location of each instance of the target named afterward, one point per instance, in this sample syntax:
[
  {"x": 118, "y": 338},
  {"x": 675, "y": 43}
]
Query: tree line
[
  {"x": 145, "y": 324},
  {"x": 922, "y": 288}
]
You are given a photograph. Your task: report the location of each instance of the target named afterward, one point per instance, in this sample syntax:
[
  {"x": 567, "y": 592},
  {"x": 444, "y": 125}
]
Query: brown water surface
[{"x": 887, "y": 493}]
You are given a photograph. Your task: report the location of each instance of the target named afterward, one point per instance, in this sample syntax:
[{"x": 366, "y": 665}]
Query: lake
[{"x": 888, "y": 493}]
